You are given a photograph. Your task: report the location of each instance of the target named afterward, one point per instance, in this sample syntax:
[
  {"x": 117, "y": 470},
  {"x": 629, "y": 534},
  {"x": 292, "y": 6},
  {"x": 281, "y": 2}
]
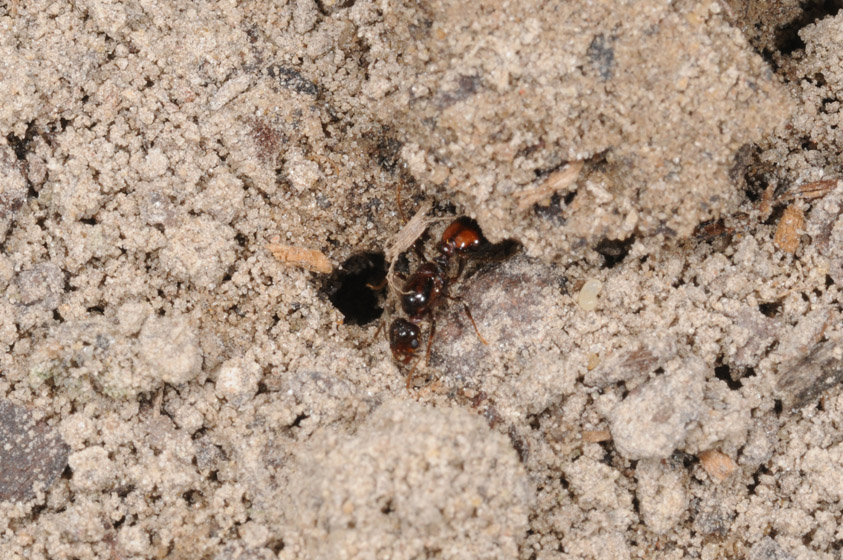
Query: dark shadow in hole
[
  {"x": 614, "y": 251},
  {"x": 21, "y": 145},
  {"x": 770, "y": 308},
  {"x": 555, "y": 210},
  {"x": 756, "y": 479},
  {"x": 355, "y": 288},
  {"x": 787, "y": 36},
  {"x": 724, "y": 373}
]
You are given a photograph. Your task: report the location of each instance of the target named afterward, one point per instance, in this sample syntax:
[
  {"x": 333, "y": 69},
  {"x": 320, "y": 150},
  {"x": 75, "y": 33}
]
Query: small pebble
[
  {"x": 718, "y": 465},
  {"x": 237, "y": 381}
]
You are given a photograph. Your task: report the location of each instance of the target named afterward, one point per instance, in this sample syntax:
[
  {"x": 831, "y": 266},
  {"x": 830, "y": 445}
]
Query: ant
[{"x": 427, "y": 288}]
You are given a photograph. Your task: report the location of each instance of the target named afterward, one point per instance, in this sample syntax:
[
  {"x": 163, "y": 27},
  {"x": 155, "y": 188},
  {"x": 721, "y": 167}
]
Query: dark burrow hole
[
  {"x": 724, "y": 373},
  {"x": 21, "y": 145},
  {"x": 552, "y": 211},
  {"x": 355, "y": 287},
  {"x": 756, "y": 479},
  {"x": 687, "y": 460},
  {"x": 386, "y": 152},
  {"x": 521, "y": 445},
  {"x": 614, "y": 250},
  {"x": 749, "y": 170},
  {"x": 298, "y": 420},
  {"x": 388, "y": 507},
  {"x": 770, "y": 308},
  {"x": 775, "y": 216},
  {"x": 787, "y": 37},
  {"x": 192, "y": 496}
]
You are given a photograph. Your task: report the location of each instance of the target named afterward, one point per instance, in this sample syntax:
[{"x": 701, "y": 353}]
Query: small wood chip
[
  {"x": 808, "y": 191},
  {"x": 719, "y": 466},
  {"x": 789, "y": 228},
  {"x": 557, "y": 181},
  {"x": 405, "y": 238},
  {"x": 411, "y": 231},
  {"x": 309, "y": 259},
  {"x": 596, "y": 436}
]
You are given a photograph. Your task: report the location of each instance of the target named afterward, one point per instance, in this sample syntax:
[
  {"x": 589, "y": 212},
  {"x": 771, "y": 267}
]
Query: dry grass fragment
[
  {"x": 309, "y": 259},
  {"x": 557, "y": 181},
  {"x": 809, "y": 191},
  {"x": 596, "y": 436},
  {"x": 405, "y": 238},
  {"x": 411, "y": 231}
]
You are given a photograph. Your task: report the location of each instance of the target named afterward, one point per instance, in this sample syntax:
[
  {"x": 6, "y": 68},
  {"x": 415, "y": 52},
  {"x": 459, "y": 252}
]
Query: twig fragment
[
  {"x": 558, "y": 180},
  {"x": 309, "y": 259}
]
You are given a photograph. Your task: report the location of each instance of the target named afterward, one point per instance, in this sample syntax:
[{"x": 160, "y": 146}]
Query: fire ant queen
[{"x": 427, "y": 288}]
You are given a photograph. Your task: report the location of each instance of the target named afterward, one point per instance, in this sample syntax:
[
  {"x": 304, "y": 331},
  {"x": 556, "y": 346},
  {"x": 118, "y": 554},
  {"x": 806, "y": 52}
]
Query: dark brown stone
[{"x": 31, "y": 453}]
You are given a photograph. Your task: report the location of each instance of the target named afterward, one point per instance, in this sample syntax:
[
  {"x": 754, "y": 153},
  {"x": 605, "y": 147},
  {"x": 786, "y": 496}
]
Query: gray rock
[
  {"x": 768, "y": 549},
  {"x": 820, "y": 370}
]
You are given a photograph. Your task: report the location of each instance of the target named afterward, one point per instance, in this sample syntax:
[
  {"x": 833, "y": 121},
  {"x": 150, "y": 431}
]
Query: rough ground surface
[{"x": 663, "y": 358}]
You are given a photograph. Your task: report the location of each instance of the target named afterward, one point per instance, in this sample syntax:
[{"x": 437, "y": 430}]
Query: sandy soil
[{"x": 199, "y": 202}]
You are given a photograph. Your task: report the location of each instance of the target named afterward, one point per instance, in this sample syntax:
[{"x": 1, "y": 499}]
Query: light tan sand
[{"x": 170, "y": 388}]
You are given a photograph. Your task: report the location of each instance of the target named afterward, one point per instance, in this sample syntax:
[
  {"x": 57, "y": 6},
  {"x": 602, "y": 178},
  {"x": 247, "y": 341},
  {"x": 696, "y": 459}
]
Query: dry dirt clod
[{"x": 653, "y": 420}]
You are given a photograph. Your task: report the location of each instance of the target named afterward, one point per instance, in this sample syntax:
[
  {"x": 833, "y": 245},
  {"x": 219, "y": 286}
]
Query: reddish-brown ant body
[
  {"x": 461, "y": 238},
  {"x": 404, "y": 340},
  {"x": 423, "y": 290},
  {"x": 427, "y": 287}
]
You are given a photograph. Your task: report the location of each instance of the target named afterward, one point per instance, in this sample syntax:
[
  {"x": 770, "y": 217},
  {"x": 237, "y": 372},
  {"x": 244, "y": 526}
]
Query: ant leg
[
  {"x": 377, "y": 287},
  {"x": 470, "y": 318},
  {"x": 460, "y": 267},
  {"x": 430, "y": 339},
  {"x": 410, "y": 374},
  {"x": 417, "y": 247},
  {"x": 377, "y": 332}
]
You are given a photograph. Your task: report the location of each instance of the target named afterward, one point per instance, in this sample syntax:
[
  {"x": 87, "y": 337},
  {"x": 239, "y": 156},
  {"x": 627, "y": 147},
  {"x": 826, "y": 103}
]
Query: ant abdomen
[{"x": 404, "y": 340}]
